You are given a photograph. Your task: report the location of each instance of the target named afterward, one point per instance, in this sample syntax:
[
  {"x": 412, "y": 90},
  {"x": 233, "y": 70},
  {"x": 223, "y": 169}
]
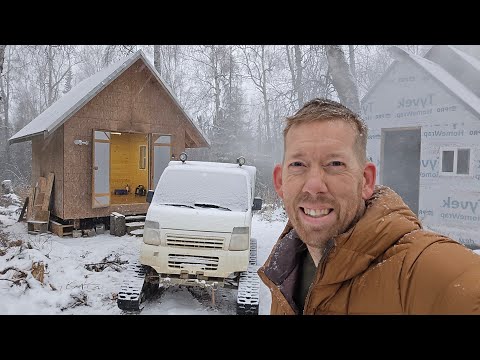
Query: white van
[{"x": 198, "y": 228}]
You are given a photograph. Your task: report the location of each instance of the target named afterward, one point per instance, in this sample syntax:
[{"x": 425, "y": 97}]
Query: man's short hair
[{"x": 319, "y": 109}]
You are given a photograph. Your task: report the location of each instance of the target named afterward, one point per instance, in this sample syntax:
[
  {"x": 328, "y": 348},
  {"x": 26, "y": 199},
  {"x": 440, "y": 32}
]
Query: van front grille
[
  {"x": 178, "y": 261},
  {"x": 195, "y": 241}
]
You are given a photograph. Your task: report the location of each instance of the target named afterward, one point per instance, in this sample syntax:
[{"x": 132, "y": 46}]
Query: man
[{"x": 351, "y": 247}]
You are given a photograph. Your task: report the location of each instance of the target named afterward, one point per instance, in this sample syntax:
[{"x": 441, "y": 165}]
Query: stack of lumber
[{"x": 38, "y": 211}]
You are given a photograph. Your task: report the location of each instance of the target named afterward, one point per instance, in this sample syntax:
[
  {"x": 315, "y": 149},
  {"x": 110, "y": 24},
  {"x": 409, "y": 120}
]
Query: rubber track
[
  {"x": 130, "y": 294},
  {"x": 248, "y": 297}
]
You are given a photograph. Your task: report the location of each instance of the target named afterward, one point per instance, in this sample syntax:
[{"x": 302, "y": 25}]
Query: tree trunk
[
  {"x": 342, "y": 78},
  {"x": 2, "y": 57},
  {"x": 3, "y": 96},
  {"x": 292, "y": 69},
  {"x": 265, "y": 100},
  {"x": 156, "y": 59},
  {"x": 259, "y": 134},
  {"x": 217, "y": 118},
  {"x": 50, "y": 76},
  {"x": 5, "y": 124},
  {"x": 296, "y": 73},
  {"x": 299, "y": 82},
  {"x": 351, "y": 58}
]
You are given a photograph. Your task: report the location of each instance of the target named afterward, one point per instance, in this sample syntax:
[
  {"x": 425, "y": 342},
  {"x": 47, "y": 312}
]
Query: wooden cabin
[{"x": 111, "y": 134}]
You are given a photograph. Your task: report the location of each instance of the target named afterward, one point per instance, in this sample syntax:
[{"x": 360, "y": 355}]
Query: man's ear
[
  {"x": 277, "y": 180},
  {"x": 369, "y": 178}
]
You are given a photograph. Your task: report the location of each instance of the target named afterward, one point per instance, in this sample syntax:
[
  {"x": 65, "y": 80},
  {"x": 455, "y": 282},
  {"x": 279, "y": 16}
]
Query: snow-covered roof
[
  {"x": 60, "y": 111},
  {"x": 193, "y": 183},
  {"x": 216, "y": 167},
  {"x": 467, "y": 57},
  {"x": 454, "y": 86}
]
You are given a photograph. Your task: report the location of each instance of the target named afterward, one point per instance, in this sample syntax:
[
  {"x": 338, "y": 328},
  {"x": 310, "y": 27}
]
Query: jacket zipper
[{"x": 319, "y": 274}]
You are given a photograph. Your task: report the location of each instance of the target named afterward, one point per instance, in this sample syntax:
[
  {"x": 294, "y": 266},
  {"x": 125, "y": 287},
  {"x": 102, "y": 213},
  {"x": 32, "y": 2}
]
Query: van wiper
[
  {"x": 212, "y": 206},
  {"x": 181, "y": 205}
]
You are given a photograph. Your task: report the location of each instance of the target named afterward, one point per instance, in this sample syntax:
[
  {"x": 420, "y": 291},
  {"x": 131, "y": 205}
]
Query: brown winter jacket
[{"x": 385, "y": 264}]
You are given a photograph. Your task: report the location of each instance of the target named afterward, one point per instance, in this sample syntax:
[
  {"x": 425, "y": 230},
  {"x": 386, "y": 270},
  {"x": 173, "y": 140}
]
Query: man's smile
[{"x": 315, "y": 213}]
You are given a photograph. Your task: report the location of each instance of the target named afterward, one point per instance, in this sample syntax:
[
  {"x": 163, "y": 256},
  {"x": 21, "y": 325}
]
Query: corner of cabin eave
[
  {"x": 26, "y": 138},
  {"x": 194, "y": 138}
]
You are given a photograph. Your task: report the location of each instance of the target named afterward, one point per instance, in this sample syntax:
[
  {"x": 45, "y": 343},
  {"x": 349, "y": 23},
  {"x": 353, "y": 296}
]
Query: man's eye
[
  {"x": 296, "y": 163},
  {"x": 337, "y": 163}
]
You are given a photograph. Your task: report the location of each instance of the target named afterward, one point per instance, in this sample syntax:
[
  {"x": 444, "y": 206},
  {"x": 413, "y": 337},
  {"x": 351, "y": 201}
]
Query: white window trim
[
  {"x": 140, "y": 158},
  {"x": 455, "y": 155}
]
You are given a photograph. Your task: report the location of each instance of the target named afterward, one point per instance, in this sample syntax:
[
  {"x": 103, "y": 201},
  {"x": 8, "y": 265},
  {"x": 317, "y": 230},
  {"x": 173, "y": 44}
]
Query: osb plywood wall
[
  {"x": 47, "y": 156},
  {"x": 134, "y": 102},
  {"x": 125, "y": 161}
]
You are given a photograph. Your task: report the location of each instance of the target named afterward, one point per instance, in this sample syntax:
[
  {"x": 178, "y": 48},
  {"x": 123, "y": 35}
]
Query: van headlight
[
  {"x": 240, "y": 238},
  {"x": 151, "y": 232}
]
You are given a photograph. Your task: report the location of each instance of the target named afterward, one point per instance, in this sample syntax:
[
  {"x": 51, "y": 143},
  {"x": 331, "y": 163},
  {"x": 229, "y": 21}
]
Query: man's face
[{"x": 321, "y": 182}]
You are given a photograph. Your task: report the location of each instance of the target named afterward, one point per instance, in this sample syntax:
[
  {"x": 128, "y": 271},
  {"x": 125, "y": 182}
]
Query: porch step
[
  {"x": 137, "y": 232},
  {"x": 124, "y": 224},
  {"x": 135, "y": 218},
  {"x": 134, "y": 226}
]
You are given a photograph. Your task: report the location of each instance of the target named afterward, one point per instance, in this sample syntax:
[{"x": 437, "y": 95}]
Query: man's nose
[{"x": 315, "y": 182}]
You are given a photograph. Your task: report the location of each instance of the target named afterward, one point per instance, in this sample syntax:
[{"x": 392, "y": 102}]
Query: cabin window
[
  {"x": 143, "y": 157},
  {"x": 455, "y": 161},
  {"x": 164, "y": 139}
]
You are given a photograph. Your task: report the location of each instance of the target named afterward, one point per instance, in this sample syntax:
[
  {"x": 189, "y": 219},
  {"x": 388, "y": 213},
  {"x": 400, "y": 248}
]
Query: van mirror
[
  {"x": 257, "y": 203},
  {"x": 149, "y": 196}
]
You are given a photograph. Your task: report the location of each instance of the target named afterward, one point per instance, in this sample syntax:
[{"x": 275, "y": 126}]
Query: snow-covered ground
[{"x": 71, "y": 286}]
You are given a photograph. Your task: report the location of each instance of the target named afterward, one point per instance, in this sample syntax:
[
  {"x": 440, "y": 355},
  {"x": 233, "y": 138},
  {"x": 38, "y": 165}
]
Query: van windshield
[{"x": 207, "y": 189}]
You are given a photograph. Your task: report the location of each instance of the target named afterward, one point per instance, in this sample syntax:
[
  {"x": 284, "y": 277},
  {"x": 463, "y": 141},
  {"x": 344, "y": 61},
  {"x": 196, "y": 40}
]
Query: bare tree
[
  {"x": 258, "y": 62},
  {"x": 213, "y": 58},
  {"x": 417, "y": 49},
  {"x": 351, "y": 58},
  {"x": 90, "y": 59},
  {"x": 156, "y": 59},
  {"x": 168, "y": 61},
  {"x": 3, "y": 97},
  {"x": 342, "y": 77},
  {"x": 4, "y": 111},
  {"x": 209, "y": 72},
  {"x": 219, "y": 91},
  {"x": 311, "y": 66},
  {"x": 113, "y": 52},
  {"x": 51, "y": 64},
  {"x": 2, "y": 94},
  {"x": 371, "y": 62},
  {"x": 2, "y": 57},
  {"x": 296, "y": 70},
  {"x": 35, "y": 79}
]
